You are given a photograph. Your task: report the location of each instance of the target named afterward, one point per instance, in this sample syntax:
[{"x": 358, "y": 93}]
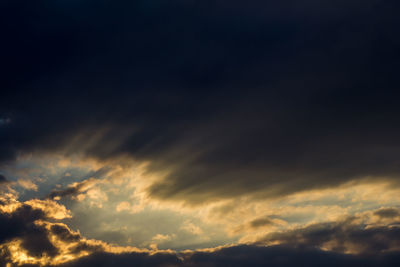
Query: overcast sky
[{"x": 200, "y": 133}]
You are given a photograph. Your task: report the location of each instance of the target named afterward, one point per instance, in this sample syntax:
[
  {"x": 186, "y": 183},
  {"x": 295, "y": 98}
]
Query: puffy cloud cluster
[{"x": 31, "y": 236}]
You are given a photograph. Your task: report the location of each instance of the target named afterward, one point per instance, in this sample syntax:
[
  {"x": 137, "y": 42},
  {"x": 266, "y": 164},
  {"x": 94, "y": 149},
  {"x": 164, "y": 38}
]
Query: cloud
[
  {"x": 253, "y": 256},
  {"x": 126, "y": 259},
  {"x": 353, "y": 234},
  {"x": 222, "y": 101},
  {"x": 30, "y": 236},
  {"x": 281, "y": 103},
  {"x": 3, "y": 179},
  {"x": 281, "y": 256},
  {"x": 257, "y": 226},
  {"x": 191, "y": 228},
  {"x": 388, "y": 213},
  {"x": 52, "y": 209},
  {"x": 27, "y": 184},
  {"x": 74, "y": 189},
  {"x": 260, "y": 222},
  {"x": 124, "y": 205}
]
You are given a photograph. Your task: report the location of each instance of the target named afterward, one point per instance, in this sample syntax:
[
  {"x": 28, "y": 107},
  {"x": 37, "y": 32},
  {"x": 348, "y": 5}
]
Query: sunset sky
[{"x": 196, "y": 133}]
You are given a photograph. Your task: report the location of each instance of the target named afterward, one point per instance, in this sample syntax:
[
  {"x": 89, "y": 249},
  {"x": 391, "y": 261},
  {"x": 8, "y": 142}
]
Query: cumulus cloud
[
  {"x": 30, "y": 234},
  {"x": 18, "y": 228}
]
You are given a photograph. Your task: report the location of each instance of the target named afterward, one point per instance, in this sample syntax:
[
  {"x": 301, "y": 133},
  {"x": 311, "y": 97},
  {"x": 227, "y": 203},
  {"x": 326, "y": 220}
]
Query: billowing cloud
[{"x": 29, "y": 235}]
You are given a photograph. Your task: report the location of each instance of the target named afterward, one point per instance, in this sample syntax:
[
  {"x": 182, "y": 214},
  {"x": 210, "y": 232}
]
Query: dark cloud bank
[
  {"x": 243, "y": 256},
  {"x": 230, "y": 97}
]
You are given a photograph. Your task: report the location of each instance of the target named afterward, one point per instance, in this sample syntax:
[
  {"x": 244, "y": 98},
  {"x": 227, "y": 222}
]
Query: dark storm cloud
[
  {"x": 278, "y": 256},
  {"x": 3, "y": 179},
  {"x": 20, "y": 224},
  {"x": 343, "y": 236},
  {"x": 126, "y": 259},
  {"x": 230, "y": 97},
  {"x": 28, "y": 224},
  {"x": 281, "y": 256}
]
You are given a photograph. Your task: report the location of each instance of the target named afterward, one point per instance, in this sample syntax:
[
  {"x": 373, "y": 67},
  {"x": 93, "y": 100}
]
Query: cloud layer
[
  {"x": 223, "y": 100},
  {"x": 269, "y": 127}
]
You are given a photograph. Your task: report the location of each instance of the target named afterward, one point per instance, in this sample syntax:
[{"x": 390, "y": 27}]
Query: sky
[{"x": 191, "y": 133}]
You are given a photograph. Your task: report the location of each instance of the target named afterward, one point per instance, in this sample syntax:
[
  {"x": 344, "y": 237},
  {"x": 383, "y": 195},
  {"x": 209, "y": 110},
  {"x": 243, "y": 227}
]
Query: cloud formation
[
  {"x": 276, "y": 121},
  {"x": 347, "y": 236},
  {"x": 73, "y": 189},
  {"x": 30, "y": 234},
  {"x": 272, "y": 105}
]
